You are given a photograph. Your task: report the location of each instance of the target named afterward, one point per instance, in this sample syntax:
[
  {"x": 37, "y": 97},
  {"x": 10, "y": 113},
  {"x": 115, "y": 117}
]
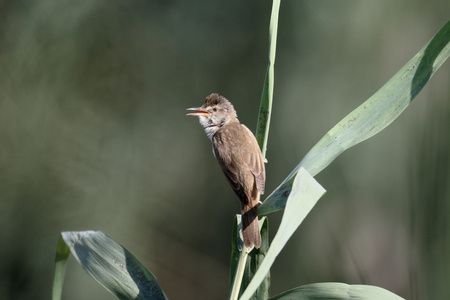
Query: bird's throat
[{"x": 211, "y": 131}]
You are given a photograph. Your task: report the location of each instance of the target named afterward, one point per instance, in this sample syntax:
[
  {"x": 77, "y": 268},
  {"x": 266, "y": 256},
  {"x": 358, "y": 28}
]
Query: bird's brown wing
[
  {"x": 223, "y": 148},
  {"x": 253, "y": 158},
  {"x": 235, "y": 147}
]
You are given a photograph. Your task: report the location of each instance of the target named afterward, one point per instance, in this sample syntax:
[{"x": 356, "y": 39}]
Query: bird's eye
[{"x": 214, "y": 109}]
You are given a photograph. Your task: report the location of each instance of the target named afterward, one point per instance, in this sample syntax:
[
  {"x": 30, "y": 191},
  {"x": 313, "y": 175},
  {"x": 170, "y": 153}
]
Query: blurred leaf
[
  {"x": 114, "y": 267},
  {"x": 252, "y": 260},
  {"x": 62, "y": 253},
  {"x": 371, "y": 117},
  {"x": 336, "y": 291},
  {"x": 265, "y": 109},
  {"x": 306, "y": 191}
]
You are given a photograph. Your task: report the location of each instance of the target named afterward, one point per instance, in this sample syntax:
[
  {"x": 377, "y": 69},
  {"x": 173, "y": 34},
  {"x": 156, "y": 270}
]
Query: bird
[{"x": 240, "y": 158}]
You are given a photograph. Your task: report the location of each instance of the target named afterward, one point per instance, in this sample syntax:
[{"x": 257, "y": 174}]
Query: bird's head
[{"x": 216, "y": 112}]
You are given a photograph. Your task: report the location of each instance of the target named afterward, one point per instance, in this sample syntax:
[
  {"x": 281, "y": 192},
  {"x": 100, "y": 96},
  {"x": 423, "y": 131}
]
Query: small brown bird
[{"x": 237, "y": 151}]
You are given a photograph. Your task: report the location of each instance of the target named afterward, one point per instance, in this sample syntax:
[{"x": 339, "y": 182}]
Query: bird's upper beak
[{"x": 199, "y": 112}]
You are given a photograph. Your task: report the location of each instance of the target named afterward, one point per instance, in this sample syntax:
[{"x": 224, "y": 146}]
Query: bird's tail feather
[{"x": 250, "y": 227}]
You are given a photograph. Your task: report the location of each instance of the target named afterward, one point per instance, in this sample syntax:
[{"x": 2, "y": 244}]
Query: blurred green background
[{"x": 94, "y": 137}]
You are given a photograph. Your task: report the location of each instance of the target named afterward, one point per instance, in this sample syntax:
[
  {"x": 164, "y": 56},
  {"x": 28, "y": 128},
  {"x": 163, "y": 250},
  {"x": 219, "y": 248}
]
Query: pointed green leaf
[
  {"x": 114, "y": 267},
  {"x": 370, "y": 117},
  {"x": 306, "y": 191},
  {"x": 336, "y": 291},
  {"x": 265, "y": 110}
]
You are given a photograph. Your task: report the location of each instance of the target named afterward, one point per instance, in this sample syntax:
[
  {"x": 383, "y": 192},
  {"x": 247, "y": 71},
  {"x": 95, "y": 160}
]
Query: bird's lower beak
[{"x": 199, "y": 112}]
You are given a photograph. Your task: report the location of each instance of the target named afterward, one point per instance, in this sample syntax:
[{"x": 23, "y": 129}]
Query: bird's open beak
[{"x": 199, "y": 112}]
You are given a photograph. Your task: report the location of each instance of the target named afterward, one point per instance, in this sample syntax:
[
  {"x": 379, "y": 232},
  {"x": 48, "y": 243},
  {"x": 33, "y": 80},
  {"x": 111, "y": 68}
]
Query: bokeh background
[{"x": 93, "y": 136}]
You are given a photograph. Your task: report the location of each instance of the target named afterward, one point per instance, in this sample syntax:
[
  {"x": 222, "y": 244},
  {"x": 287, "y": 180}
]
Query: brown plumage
[{"x": 237, "y": 151}]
